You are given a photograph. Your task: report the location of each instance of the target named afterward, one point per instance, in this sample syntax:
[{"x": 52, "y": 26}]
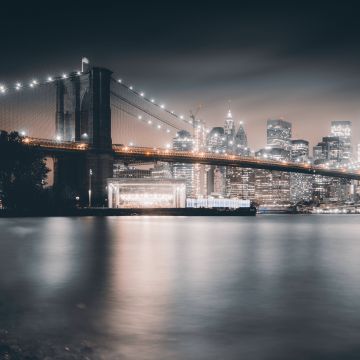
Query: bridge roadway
[{"x": 149, "y": 154}]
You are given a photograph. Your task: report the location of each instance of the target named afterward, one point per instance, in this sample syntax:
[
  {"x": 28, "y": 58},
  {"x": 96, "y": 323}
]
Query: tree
[{"x": 23, "y": 173}]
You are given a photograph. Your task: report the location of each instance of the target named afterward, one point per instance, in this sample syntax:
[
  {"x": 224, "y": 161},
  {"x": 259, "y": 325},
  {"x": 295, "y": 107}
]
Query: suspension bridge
[{"x": 87, "y": 119}]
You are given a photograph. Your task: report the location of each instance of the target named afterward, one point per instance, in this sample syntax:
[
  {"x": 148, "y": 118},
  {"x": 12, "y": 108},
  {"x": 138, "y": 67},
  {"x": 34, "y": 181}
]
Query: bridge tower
[{"x": 83, "y": 114}]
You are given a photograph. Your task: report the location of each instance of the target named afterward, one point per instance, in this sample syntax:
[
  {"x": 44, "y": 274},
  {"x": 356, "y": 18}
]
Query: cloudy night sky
[{"x": 296, "y": 60}]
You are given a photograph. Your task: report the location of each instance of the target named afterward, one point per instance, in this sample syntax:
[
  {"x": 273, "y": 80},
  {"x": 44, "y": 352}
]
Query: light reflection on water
[{"x": 270, "y": 287}]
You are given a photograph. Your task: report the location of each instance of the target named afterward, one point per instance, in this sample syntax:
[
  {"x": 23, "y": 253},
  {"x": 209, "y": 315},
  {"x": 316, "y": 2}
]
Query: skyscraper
[
  {"x": 272, "y": 188},
  {"x": 279, "y": 134},
  {"x": 241, "y": 142},
  {"x": 300, "y": 184},
  {"x": 184, "y": 142},
  {"x": 217, "y": 143},
  {"x": 342, "y": 130},
  {"x": 330, "y": 151},
  {"x": 299, "y": 150}
]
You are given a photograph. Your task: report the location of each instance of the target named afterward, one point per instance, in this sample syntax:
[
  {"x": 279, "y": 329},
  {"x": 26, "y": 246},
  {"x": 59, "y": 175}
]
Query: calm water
[{"x": 270, "y": 287}]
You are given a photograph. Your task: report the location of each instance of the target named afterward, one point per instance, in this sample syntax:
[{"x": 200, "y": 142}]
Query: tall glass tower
[{"x": 342, "y": 130}]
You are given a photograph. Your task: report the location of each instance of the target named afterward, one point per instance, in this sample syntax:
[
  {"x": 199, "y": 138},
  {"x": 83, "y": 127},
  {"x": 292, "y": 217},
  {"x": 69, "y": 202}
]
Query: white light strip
[
  {"x": 152, "y": 100},
  {"x": 34, "y": 83}
]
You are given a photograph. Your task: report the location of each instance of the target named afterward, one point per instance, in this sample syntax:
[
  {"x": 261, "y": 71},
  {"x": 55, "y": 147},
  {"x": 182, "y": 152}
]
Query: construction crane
[{"x": 194, "y": 114}]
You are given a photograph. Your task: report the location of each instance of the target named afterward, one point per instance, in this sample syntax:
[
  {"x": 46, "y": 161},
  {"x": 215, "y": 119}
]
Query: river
[{"x": 266, "y": 287}]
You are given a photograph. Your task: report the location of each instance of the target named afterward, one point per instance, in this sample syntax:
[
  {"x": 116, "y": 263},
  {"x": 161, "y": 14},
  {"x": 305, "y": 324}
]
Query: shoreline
[{"x": 130, "y": 212}]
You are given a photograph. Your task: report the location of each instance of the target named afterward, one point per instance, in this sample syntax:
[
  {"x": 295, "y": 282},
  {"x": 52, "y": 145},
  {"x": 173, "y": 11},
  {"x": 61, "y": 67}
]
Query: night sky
[{"x": 297, "y": 60}]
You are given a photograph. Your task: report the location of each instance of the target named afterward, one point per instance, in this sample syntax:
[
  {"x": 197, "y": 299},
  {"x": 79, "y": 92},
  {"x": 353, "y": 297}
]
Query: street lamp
[{"x": 90, "y": 175}]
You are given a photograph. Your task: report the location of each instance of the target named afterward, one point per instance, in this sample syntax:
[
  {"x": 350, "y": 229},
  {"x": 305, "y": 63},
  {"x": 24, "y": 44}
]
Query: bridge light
[
  {"x": 131, "y": 87},
  {"x": 31, "y": 85},
  {"x": 64, "y": 76},
  {"x": 149, "y": 122},
  {"x": 50, "y": 79},
  {"x": 131, "y": 144},
  {"x": 159, "y": 126},
  {"x": 78, "y": 73},
  {"x": 168, "y": 146},
  {"x": 58, "y": 138},
  {"x": 2, "y": 89},
  {"x": 152, "y": 100},
  {"x": 142, "y": 94},
  {"x": 167, "y": 130},
  {"x": 119, "y": 81},
  {"x": 35, "y": 82},
  {"x": 139, "y": 117}
]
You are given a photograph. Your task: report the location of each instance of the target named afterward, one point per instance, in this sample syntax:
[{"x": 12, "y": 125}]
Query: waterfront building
[
  {"x": 213, "y": 202},
  {"x": 342, "y": 130},
  {"x": 146, "y": 193},
  {"x": 241, "y": 183}
]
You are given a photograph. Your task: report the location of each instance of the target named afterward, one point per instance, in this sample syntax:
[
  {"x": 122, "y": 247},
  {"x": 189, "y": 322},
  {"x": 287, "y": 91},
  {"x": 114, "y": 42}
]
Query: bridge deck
[{"x": 146, "y": 154}]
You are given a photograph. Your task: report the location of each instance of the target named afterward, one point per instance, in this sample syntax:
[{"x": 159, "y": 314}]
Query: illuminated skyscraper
[
  {"x": 240, "y": 141},
  {"x": 184, "y": 142},
  {"x": 240, "y": 181},
  {"x": 272, "y": 188},
  {"x": 217, "y": 143},
  {"x": 279, "y": 134},
  {"x": 342, "y": 130},
  {"x": 299, "y": 150},
  {"x": 229, "y": 127},
  {"x": 300, "y": 184},
  {"x": 330, "y": 151}
]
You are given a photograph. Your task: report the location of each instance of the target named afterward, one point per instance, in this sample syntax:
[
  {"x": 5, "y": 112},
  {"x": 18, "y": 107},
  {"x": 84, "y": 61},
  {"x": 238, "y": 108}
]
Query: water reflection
[{"x": 275, "y": 287}]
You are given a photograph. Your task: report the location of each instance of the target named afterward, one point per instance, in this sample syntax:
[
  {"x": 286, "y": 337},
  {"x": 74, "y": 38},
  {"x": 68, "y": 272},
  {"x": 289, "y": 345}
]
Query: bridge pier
[
  {"x": 99, "y": 166},
  {"x": 69, "y": 172}
]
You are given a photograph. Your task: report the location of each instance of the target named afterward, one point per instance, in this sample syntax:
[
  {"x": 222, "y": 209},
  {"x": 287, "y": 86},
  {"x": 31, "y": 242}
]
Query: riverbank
[{"x": 131, "y": 212}]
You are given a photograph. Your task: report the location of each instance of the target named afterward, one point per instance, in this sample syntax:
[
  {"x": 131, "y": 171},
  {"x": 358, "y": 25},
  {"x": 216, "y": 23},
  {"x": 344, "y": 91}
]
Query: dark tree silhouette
[{"x": 23, "y": 173}]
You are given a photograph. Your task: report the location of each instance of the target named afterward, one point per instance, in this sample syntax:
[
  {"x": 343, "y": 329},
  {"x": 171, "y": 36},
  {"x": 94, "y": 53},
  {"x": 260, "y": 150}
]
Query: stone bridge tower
[{"x": 83, "y": 114}]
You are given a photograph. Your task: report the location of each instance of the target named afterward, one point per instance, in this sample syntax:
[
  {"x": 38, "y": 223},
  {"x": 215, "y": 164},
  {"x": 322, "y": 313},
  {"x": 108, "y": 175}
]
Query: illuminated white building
[
  {"x": 146, "y": 193},
  {"x": 217, "y": 203}
]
